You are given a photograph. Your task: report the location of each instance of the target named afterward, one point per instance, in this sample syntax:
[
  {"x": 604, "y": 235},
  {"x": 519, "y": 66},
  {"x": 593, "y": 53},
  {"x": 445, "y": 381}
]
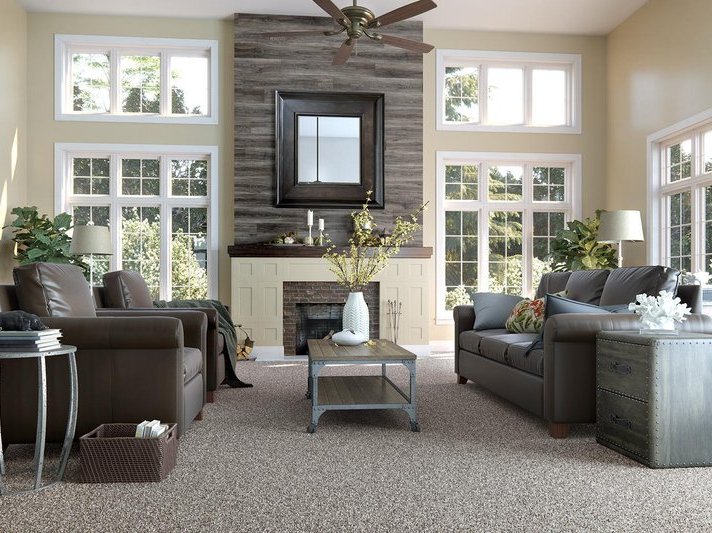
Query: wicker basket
[{"x": 112, "y": 454}]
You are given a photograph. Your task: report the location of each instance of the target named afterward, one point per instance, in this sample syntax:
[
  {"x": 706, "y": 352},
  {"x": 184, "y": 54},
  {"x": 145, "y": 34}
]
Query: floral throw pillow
[{"x": 527, "y": 316}]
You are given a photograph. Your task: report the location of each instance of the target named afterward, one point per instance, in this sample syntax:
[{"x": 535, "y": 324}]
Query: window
[
  {"x": 508, "y": 91},
  {"x": 680, "y": 221},
  {"x": 134, "y": 79},
  {"x": 160, "y": 203},
  {"x": 497, "y": 215}
]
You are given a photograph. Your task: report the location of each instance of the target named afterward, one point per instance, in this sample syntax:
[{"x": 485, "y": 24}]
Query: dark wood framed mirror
[{"x": 329, "y": 149}]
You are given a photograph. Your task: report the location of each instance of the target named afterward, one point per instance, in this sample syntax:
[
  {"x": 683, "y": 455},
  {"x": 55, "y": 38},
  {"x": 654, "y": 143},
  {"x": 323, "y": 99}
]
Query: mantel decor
[
  {"x": 329, "y": 149},
  {"x": 367, "y": 254}
]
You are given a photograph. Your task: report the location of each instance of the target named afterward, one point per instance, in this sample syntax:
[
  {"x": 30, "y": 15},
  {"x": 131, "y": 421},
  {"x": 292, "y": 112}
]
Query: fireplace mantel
[{"x": 297, "y": 250}]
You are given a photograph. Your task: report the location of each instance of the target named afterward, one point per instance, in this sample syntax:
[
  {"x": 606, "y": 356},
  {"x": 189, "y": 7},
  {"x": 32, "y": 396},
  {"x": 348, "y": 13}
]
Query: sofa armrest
[
  {"x": 570, "y": 360},
  {"x": 692, "y": 296},
  {"x": 194, "y": 322},
  {"x": 464, "y": 316},
  {"x": 579, "y": 327},
  {"x": 118, "y": 333}
]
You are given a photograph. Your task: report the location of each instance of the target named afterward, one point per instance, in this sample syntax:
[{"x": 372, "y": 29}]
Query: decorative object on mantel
[
  {"x": 310, "y": 222},
  {"x": 394, "y": 313},
  {"x": 658, "y": 314},
  {"x": 286, "y": 238},
  {"x": 357, "y": 264},
  {"x": 320, "y": 238},
  {"x": 358, "y": 21}
]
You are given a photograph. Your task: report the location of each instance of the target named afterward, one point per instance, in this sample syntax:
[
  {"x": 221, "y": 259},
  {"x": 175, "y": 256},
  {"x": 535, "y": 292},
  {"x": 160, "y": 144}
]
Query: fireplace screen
[{"x": 315, "y": 321}]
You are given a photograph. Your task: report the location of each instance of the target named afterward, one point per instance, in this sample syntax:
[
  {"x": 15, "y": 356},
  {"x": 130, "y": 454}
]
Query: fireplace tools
[{"x": 394, "y": 313}]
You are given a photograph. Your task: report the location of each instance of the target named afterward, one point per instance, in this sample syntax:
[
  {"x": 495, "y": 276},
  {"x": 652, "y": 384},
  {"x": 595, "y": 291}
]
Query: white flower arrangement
[{"x": 659, "y": 312}]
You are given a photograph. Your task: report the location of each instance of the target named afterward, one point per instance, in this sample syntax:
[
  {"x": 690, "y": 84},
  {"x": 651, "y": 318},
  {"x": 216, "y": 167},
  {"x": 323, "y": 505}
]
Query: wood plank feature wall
[{"x": 303, "y": 63}]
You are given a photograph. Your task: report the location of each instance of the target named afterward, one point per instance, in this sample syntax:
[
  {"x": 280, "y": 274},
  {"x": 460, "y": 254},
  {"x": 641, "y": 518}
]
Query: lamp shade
[
  {"x": 91, "y": 239},
  {"x": 624, "y": 225}
]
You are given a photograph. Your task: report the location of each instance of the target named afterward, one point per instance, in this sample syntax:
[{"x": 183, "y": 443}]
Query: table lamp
[{"x": 619, "y": 226}]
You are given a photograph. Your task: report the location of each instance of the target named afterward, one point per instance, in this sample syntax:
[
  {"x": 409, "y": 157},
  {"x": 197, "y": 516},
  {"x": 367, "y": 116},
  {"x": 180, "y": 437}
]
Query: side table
[
  {"x": 654, "y": 397},
  {"x": 69, "y": 351}
]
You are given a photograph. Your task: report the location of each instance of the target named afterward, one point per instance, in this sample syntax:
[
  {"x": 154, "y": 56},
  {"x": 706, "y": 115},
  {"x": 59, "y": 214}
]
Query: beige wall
[
  {"x": 591, "y": 143},
  {"x": 45, "y": 131},
  {"x": 13, "y": 122},
  {"x": 659, "y": 73}
]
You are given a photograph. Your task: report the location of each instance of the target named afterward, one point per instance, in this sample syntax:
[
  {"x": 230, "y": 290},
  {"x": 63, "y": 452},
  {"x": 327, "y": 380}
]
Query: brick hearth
[{"x": 321, "y": 292}]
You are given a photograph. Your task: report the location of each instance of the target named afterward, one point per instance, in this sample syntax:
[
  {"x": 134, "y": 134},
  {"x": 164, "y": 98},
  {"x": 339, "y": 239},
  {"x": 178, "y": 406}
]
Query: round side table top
[{"x": 64, "y": 350}]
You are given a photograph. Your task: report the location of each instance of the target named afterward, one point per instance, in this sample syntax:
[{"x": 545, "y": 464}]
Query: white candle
[
  {"x": 321, "y": 224},
  {"x": 310, "y": 218}
]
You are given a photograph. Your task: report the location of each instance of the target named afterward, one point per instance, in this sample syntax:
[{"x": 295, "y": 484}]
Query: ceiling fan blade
[
  {"x": 331, "y": 9},
  {"x": 405, "y": 12},
  {"x": 288, "y": 33},
  {"x": 413, "y": 46},
  {"x": 343, "y": 54}
]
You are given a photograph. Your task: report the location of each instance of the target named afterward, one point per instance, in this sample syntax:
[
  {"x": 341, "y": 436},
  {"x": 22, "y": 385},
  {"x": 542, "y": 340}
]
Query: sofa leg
[
  {"x": 558, "y": 431},
  {"x": 210, "y": 396},
  {"x": 461, "y": 380},
  {"x": 199, "y": 416}
]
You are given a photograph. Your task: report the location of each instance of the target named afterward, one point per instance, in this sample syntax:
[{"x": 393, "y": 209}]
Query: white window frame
[
  {"x": 64, "y": 200},
  {"x": 528, "y": 61},
  {"x": 659, "y": 189},
  {"x": 66, "y": 45},
  {"x": 571, "y": 207}
]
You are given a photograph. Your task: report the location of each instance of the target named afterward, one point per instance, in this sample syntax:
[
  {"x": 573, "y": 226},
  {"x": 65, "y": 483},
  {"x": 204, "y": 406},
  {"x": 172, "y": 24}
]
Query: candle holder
[
  {"x": 309, "y": 241},
  {"x": 320, "y": 238}
]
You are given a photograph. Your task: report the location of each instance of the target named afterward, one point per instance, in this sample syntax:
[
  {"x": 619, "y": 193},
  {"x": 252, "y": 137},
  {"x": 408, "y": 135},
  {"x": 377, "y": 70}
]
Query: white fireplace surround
[{"x": 257, "y": 297}]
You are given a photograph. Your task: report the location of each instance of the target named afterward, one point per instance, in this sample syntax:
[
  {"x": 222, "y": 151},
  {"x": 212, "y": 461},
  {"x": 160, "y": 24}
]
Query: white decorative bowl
[{"x": 348, "y": 338}]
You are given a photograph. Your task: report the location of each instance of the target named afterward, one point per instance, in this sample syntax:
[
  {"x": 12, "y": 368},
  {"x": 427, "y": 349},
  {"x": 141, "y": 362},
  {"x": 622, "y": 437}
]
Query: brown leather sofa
[
  {"x": 130, "y": 368},
  {"x": 124, "y": 289},
  {"x": 558, "y": 382}
]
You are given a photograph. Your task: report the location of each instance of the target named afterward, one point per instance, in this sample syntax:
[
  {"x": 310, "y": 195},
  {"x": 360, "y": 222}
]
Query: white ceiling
[{"x": 588, "y": 17}]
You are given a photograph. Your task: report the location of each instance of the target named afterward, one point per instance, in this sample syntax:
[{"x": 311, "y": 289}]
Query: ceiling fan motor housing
[{"x": 361, "y": 18}]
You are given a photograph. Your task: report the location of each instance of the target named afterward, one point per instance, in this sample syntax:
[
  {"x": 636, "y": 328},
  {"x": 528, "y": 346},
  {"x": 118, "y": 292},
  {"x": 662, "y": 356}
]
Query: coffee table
[{"x": 330, "y": 393}]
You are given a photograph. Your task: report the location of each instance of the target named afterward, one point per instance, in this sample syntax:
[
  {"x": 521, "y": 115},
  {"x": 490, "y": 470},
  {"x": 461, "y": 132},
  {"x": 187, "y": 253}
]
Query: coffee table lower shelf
[{"x": 359, "y": 392}]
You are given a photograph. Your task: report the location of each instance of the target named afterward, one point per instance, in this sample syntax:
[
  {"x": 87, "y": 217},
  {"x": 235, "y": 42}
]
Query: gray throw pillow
[
  {"x": 492, "y": 310},
  {"x": 558, "y": 305}
]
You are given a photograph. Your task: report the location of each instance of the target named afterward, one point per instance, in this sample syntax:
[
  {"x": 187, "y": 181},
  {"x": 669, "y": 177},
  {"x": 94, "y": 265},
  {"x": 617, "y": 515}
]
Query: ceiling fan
[{"x": 357, "y": 21}]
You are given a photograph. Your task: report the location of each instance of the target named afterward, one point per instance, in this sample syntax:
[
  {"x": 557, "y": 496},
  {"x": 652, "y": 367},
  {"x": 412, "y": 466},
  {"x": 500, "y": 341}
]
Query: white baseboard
[{"x": 442, "y": 346}]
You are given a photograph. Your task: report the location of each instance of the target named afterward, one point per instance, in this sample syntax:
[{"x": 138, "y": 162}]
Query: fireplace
[{"x": 313, "y": 308}]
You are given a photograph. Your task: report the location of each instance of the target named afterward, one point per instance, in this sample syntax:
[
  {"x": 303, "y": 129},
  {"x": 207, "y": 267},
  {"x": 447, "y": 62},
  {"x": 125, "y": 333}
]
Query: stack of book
[
  {"x": 30, "y": 341},
  {"x": 152, "y": 428}
]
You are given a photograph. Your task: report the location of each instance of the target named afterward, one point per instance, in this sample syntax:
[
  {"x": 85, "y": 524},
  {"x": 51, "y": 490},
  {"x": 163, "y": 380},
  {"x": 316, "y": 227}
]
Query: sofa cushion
[
  {"x": 625, "y": 283},
  {"x": 192, "y": 363},
  {"x": 552, "y": 282},
  {"x": 492, "y": 310},
  {"x": 470, "y": 340},
  {"x": 53, "y": 289},
  {"x": 520, "y": 356},
  {"x": 125, "y": 289},
  {"x": 527, "y": 316},
  {"x": 496, "y": 347},
  {"x": 586, "y": 285}
]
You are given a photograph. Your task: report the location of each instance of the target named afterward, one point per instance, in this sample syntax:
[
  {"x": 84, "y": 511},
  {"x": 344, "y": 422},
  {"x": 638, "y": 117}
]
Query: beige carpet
[{"x": 479, "y": 464}]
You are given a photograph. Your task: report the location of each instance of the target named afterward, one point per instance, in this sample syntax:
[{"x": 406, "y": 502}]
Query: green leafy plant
[
  {"x": 577, "y": 248},
  {"x": 369, "y": 250},
  {"x": 39, "y": 238}
]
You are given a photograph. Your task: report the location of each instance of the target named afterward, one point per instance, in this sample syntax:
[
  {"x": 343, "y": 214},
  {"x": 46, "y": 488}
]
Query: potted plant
[
  {"x": 368, "y": 252},
  {"x": 578, "y": 248},
  {"x": 40, "y": 239}
]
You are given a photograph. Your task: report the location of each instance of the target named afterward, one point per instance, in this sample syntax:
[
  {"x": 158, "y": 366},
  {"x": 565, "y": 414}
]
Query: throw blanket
[{"x": 225, "y": 325}]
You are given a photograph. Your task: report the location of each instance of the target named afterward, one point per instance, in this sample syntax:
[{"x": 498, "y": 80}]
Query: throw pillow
[
  {"x": 492, "y": 310},
  {"x": 558, "y": 305},
  {"x": 527, "y": 316}
]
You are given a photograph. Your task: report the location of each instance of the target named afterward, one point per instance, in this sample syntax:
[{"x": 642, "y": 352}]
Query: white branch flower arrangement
[{"x": 659, "y": 312}]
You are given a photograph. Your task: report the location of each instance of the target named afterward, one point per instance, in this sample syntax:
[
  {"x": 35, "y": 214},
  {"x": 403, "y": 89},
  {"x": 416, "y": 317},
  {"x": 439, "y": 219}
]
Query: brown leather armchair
[
  {"x": 126, "y": 290},
  {"x": 130, "y": 368}
]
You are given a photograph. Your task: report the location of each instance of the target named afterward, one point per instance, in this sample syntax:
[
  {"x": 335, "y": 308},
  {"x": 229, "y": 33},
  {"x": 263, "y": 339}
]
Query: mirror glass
[{"x": 328, "y": 149}]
